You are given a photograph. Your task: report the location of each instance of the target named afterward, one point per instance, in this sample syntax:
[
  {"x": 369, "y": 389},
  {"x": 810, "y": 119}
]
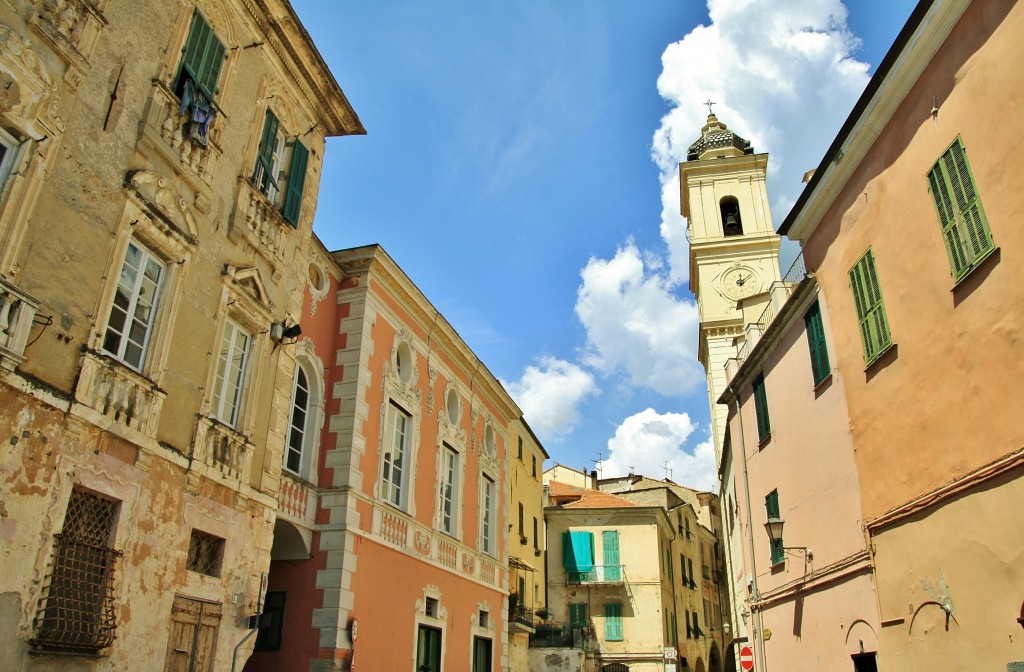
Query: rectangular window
[
  {"x": 534, "y": 474},
  {"x": 867, "y": 297},
  {"x": 697, "y": 632},
  {"x": 269, "y": 175},
  {"x": 771, "y": 508},
  {"x": 707, "y": 614},
  {"x": 522, "y": 523},
  {"x": 487, "y": 544},
  {"x": 481, "y": 654},
  {"x": 428, "y": 649},
  {"x": 133, "y": 312},
  {"x": 578, "y": 615},
  {"x": 8, "y": 157},
  {"x": 271, "y": 622},
  {"x": 764, "y": 427},
  {"x": 76, "y": 608},
  {"x": 816, "y": 342},
  {"x": 204, "y": 553},
  {"x": 689, "y": 572},
  {"x": 201, "y": 59},
  {"x": 520, "y": 448},
  {"x": 682, "y": 568},
  {"x": 193, "y": 636},
  {"x": 577, "y": 555},
  {"x": 965, "y": 229},
  {"x": 536, "y": 541},
  {"x": 689, "y": 628},
  {"x": 449, "y": 488},
  {"x": 610, "y": 555},
  {"x": 396, "y": 445},
  {"x": 231, "y": 365},
  {"x": 613, "y": 622}
]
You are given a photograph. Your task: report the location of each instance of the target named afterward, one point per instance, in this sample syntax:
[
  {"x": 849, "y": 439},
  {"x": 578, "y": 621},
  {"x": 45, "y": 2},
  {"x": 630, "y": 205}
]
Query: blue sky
[{"x": 519, "y": 165}]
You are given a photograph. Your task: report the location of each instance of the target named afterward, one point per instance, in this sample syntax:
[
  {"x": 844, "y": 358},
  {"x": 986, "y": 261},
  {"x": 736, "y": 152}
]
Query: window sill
[
  {"x": 823, "y": 383},
  {"x": 764, "y": 441},
  {"x": 879, "y": 356}
]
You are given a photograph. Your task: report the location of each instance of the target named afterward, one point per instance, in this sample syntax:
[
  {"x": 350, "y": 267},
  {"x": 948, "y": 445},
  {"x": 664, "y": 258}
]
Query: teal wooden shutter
[
  {"x": 613, "y": 622},
  {"x": 296, "y": 183},
  {"x": 764, "y": 427},
  {"x": 568, "y": 558},
  {"x": 610, "y": 548},
  {"x": 816, "y": 342},
  {"x": 263, "y": 176},
  {"x": 202, "y": 56},
  {"x": 867, "y": 297},
  {"x": 965, "y": 231}
]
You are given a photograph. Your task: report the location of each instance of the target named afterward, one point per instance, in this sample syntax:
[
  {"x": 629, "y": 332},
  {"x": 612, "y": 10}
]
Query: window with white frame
[
  {"x": 487, "y": 512},
  {"x": 449, "y": 489},
  {"x": 396, "y": 449},
  {"x": 8, "y": 156},
  {"x": 133, "y": 311},
  {"x": 300, "y": 434},
  {"x": 231, "y": 368}
]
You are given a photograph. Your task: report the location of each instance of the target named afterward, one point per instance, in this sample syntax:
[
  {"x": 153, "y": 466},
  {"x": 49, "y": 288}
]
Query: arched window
[
  {"x": 301, "y": 440},
  {"x": 732, "y": 225}
]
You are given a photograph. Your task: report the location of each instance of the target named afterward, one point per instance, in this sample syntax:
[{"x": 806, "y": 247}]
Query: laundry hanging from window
[{"x": 200, "y": 111}]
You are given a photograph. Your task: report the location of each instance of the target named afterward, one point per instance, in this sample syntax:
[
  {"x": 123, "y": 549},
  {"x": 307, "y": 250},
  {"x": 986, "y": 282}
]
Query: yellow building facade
[{"x": 159, "y": 167}]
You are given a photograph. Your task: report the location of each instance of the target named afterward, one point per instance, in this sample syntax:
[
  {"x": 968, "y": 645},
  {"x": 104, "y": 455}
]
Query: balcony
[
  {"x": 117, "y": 392},
  {"x": 561, "y": 636},
  {"x": 594, "y": 575},
  {"x": 17, "y": 311},
  {"x": 164, "y": 131},
  {"x": 520, "y": 619},
  {"x": 224, "y": 450}
]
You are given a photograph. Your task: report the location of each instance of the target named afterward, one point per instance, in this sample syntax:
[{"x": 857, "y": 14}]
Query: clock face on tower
[{"x": 739, "y": 282}]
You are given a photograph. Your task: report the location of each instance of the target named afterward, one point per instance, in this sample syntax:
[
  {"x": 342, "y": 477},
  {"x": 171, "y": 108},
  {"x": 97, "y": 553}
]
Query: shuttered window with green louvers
[
  {"x": 816, "y": 342},
  {"x": 965, "y": 230},
  {"x": 771, "y": 509},
  {"x": 202, "y": 57},
  {"x": 764, "y": 427},
  {"x": 613, "y": 622},
  {"x": 867, "y": 297}
]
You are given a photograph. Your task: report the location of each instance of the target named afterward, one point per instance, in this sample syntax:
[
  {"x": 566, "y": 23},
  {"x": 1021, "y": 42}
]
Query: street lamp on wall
[{"x": 774, "y": 528}]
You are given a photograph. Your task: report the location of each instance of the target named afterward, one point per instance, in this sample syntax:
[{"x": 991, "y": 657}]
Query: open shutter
[
  {"x": 263, "y": 175},
  {"x": 761, "y": 408},
  {"x": 867, "y": 296},
  {"x": 202, "y": 56},
  {"x": 816, "y": 342},
  {"x": 296, "y": 183}
]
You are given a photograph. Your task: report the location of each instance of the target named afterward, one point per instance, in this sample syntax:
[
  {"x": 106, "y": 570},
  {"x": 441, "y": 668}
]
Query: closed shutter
[
  {"x": 764, "y": 427},
  {"x": 193, "y": 635},
  {"x": 771, "y": 509},
  {"x": 613, "y": 622},
  {"x": 610, "y": 548},
  {"x": 577, "y": 615},
  {"x": 296, "y": 183},
  {"x": 816, "y": 342},
  {"x": 867, "y": 297},
  {"x": 965, "y": 229}
]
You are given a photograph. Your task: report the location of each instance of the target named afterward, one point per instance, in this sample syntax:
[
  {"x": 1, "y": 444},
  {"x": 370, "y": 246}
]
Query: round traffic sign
[{"x": 746, "y": 658}]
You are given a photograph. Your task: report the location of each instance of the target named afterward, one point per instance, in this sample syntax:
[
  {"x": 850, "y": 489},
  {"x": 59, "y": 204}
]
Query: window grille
[
  {"x": 204, "y": 553},
  {"x": 76, "y": 607}
]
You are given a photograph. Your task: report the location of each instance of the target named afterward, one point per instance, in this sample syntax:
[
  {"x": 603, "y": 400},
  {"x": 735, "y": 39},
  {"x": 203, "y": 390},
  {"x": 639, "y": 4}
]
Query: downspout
[{"x": 759, "y": 626}]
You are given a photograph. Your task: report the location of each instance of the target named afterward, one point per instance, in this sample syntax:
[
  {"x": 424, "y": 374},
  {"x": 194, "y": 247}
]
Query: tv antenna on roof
[
  {"x": 668, "y": 472},
  {"x": 597, "y": 464}
]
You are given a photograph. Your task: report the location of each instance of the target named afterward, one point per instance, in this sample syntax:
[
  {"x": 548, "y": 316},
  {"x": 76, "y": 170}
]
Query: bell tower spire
[{"x": 734, "y": 250}]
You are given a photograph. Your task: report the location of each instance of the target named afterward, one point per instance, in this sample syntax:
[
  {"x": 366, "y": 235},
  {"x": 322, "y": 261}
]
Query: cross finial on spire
[{"x": 709, "y": 103}]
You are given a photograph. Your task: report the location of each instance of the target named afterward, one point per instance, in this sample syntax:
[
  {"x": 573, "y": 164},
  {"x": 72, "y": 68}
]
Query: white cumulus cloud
[
  {"x": 636, "y": 324},
  {"x": 782, "y": 75},
  {"x": 649, "y": 442},
  {"x": 550, "y": 394}
]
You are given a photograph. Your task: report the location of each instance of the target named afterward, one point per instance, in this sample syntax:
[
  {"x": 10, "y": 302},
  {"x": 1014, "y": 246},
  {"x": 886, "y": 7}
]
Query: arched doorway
[{"x": 714, "y": 659}]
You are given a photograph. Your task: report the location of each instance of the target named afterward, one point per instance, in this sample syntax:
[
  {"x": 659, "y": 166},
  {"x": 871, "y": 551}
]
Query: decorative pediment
[
  {"x": 164, "y": 202},
  {"x": 249, "y": 281}
]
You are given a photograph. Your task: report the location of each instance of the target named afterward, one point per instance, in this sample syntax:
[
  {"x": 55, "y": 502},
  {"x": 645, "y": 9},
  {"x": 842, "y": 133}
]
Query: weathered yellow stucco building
[{"x": 159, "y": 167}]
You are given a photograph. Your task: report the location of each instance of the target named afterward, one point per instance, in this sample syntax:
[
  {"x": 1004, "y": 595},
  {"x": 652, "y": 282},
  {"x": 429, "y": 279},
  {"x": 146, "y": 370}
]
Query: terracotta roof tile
[{"x": 572, "y": 497}]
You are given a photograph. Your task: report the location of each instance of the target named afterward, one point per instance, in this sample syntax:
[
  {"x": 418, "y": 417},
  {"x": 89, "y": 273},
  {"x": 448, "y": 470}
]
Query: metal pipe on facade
[{"x": 759, "y": 627}]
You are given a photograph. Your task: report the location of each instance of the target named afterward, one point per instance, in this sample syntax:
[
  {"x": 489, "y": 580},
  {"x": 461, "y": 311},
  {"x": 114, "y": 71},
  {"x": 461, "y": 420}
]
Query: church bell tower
[{"x": 734, "y": 250}]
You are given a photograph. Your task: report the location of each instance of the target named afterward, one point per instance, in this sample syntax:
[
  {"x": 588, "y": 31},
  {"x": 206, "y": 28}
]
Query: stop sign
[{"x": 746, "y": 658}]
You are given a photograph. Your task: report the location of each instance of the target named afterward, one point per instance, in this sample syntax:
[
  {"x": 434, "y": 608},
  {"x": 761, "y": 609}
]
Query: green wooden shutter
[
  {"x": 202, "y": 56},
  {"x": 296, "y": 183},
  {"x": 613, "y": 622},
  {"x": 577, "y": 615},
  {"x": 610, "y": 548},
  {"x": 764, "y": 427},
  {"x": 816, "y": 342},
  {"x": 263, "y": 176},
  {"x": 965, "y": 229},
  {"x": 867, "y": 297},
  {"x": 771, "y": 509}
]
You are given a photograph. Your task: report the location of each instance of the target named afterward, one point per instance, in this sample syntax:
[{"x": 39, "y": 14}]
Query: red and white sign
[{"x": 746, "y": 658}]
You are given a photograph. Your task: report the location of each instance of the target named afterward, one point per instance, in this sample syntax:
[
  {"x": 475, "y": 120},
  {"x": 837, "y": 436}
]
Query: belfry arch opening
[{"x": 732, "y": 225}]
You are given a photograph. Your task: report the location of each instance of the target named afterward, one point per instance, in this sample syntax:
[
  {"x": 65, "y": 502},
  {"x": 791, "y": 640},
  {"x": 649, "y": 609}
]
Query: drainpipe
[
  {"x": 759, "y": 626},
  {"x": 234, "y": 656}
]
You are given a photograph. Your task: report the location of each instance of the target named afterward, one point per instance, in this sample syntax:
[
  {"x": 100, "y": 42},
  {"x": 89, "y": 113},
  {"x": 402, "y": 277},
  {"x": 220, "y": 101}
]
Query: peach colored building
[
  {"x": 393, "y": 552},
  {"x": 911, "y": 227}
]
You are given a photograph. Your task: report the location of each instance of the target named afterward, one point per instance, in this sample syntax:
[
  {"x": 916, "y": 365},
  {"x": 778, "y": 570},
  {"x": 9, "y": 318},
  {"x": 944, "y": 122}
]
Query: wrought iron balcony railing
[{"x": 595, "y": 574}]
